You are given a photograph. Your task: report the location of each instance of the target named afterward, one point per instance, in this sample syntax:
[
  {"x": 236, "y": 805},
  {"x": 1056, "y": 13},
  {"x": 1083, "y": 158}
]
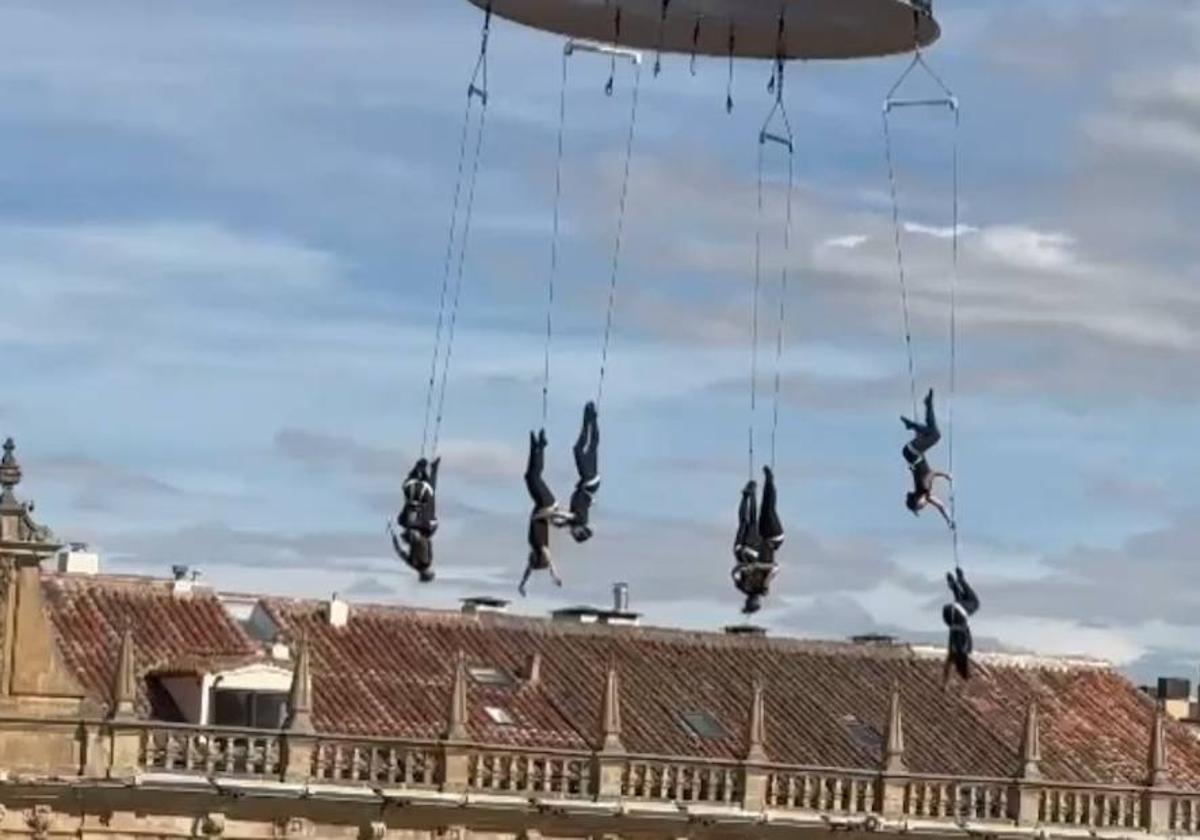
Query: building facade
[{"x": 145, "y": 708}]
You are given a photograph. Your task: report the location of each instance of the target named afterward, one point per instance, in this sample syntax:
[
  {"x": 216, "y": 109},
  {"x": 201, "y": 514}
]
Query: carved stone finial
[
  {"x": 124, "y": 686},
  {"x": 893, "y": 745},
  {"x": 610, "y": 712},
  {"x": 456, "y": 720},
  {"x": 299, "y": 717},
  {"x": 1031, "y": 744},
  {"x": 1158, "y": 748},
  {"x": 756, "y": 728}
]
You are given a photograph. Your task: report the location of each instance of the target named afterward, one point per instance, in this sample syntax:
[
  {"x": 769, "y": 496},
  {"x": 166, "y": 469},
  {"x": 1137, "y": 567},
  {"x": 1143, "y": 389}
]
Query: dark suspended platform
[{"x": 816, "y": 29}]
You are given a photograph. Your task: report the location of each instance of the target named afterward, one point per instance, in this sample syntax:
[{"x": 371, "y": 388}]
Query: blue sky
[{"x": 221, "y": 237}]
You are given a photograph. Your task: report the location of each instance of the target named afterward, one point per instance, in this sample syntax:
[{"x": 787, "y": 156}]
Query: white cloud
[
  {"x": 938, "y": 232},
  {"x": 848, "y": 242},
  {"x": 1031, "y": 250}
]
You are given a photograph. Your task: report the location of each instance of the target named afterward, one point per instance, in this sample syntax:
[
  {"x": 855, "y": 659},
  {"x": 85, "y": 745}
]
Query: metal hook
[
  {"x": 729, "y": 86},
  {"x": 612, "y": 73},
  {"x": 695, "y": 44}
]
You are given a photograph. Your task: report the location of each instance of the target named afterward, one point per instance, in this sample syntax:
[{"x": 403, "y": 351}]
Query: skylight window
[
  {"x": 487, "y": 675},
  {"x": 704, "y": 725},
  {"x": 863, "y": 735},
  {"x": 499, "y": 716}
]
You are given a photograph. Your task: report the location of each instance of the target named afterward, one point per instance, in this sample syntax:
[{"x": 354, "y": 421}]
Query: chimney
[
  {"x": 533, "y": 669},
  {"x": 183, "y": 580},
  {"x": 620, "y": 597},
  {"x": 745, "y": 630},
  {"x": 1175, "y": 695},
  {"x": 338, "y": 612},
  {"x": 78, "y": 560}
]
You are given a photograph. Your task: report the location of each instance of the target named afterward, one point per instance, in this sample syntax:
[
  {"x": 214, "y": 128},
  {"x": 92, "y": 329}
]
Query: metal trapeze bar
[
  {"x": 950, "y": 102},
  {"x": 574, "y": 46}
]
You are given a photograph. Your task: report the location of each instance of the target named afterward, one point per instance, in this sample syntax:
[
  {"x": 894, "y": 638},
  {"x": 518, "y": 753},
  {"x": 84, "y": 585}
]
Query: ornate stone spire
[
  {"x": 1158, "y": 749},
  {"x": 16, "y": 523},
  {"x": 456, "y": 720},
  {"x": 756, "y": 728},
  {"x": 893, "y": 743},
  {"x": 10, "y": 471},
  {"x": 124, "y": 685},
  {"x": 299, "y": 716},
  {"x": 1031, "y": 744},
  {"x": 610, "y": 712}
]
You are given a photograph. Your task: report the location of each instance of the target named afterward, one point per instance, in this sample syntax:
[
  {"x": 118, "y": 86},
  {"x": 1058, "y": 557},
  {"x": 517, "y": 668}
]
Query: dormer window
[{"x": 254, "y": 709}]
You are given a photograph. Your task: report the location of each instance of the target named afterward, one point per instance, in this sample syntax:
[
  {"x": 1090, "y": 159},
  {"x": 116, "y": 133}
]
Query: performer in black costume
[
  {"x": 925, "y": 437},
  {"x": 418, "y": 519},
  {"x": 957, "y": 616},
  {"x": 586, "y": 451},
  {"x": 759, "y": 535},
  {"x": 545, "y": 511}
]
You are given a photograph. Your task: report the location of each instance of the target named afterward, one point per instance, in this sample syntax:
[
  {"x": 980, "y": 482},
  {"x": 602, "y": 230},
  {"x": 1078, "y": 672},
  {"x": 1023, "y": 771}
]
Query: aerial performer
[
  {"x": 586, "y": 452},
  {"x": 545, "y": 511},
  {"x": 957, "y": 616},
  {"x": 925, "y": 437},
  {"x": 418, "y": 519},
  {"x": 759, "y": 535}
]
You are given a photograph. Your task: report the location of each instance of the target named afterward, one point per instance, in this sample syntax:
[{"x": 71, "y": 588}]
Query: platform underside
[{"x": 816, "y": 29}]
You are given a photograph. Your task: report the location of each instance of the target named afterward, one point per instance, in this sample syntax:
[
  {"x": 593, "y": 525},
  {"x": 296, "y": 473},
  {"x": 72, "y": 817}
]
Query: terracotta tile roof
[
  {"x": 388, "y": 672},
  {"x": 89, "y": 614}
]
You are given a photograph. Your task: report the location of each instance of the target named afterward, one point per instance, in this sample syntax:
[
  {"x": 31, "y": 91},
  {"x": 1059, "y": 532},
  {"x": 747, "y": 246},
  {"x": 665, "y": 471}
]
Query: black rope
[
  {"x": 478, "y": 88},
  {"x": 621, "y": 214},
  {"x": 908, "y": 343},
  {"x": 662, "y": 28},
  {"x": 695, "y": 45}
]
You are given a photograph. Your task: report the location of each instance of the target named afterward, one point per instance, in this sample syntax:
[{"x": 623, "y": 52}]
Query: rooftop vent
[
  {"x": 482, "y": 604},
  {"x": 620, "y": 597},
  {"x": 338, "y": 612},
  {"x": 881, "y": 639},
  {"x": 745, "y": 630},
  {"x": 78, "y": 560}
]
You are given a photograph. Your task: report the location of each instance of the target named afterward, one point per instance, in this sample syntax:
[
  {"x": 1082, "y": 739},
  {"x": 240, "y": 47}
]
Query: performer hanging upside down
[
  {"x": 418, "y": 519},
  {"x": 925, "y": 437},
  {"x": 586, "y": 451},
  {"x": 759, "y": 535},
  {"x": 545, "y": 510},
  {"x": 957, "y": 615}
]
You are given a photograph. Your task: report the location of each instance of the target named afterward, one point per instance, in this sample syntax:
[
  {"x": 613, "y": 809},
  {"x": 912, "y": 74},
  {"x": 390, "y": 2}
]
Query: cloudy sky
[{"x": 222, "y": 228}]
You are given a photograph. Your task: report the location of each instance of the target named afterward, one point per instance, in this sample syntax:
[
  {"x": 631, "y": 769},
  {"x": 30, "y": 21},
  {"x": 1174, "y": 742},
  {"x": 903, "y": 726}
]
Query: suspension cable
[
  {"x": 783, "y": 136},
  {"x": 550, "y": 282},
  {"x": 954, "y": 341},
  {"x": 621, "y": 214},
  {"x": 476, "y": 89},
  {"x": 446, "y": 266}
]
